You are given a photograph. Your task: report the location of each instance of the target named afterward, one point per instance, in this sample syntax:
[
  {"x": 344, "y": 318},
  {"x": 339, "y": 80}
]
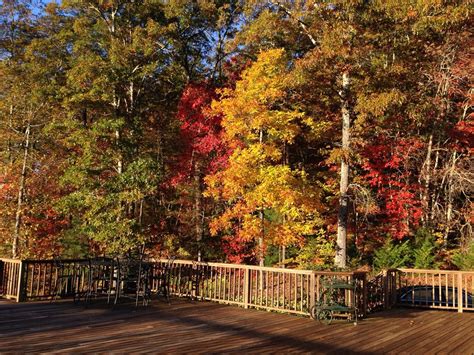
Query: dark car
[{"x": 427, "y": 295}]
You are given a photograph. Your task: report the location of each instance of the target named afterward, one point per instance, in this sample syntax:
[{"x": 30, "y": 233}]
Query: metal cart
[{"x": 336, "y": 299}]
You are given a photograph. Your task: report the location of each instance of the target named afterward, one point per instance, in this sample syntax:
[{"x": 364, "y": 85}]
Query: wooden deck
[{"x": 202, "y": 327}]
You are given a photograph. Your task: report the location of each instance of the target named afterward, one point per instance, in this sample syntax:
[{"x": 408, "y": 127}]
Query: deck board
[{"x": 203, "y": 327}]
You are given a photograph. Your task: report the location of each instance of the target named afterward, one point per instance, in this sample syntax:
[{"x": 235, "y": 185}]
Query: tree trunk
[
  {"x": 9, "y": 140},
  {"x": 449, "y": 198},
  {"x": 340, "y": 259},
  {"x": 118, "y": 135},
  {"x": 140, "y": 215},
  {"x": 261, "y": 260},
  {"x": 435, "y": 190},
  {"x": 21, "y": 192},
  {"x": 198, "y": 213},
  {"x": 283, "y": 256},
  {"x": 426, "y": 171}
]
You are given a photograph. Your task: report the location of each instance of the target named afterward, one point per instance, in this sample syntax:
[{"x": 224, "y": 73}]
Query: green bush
[
  {"x": 317, "y": 253},
  {"x": 393, "y": 255},
  {"x": 424, "y": 256},
  {"x": 420, "y": 253},
  {"x": 464, "y": 260}
]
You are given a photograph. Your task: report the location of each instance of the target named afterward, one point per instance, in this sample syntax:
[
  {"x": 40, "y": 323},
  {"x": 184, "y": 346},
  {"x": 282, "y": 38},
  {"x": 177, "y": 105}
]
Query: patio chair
[
  {"x": 100, "y": 278},
  {"x": 63, "y": 281},
  {"x": 132, "y": 277},
  {"x": 163, "y": 278}
]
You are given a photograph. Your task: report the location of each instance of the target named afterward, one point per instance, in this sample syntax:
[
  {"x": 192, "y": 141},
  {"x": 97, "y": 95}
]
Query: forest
[{"x": 315, "y": 134}]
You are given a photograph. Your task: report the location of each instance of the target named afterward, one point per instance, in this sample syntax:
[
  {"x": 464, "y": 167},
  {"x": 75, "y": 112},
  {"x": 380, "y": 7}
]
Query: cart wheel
[
  {"x": 313, "y": 312},
  {"x": 324, "y": 316}
]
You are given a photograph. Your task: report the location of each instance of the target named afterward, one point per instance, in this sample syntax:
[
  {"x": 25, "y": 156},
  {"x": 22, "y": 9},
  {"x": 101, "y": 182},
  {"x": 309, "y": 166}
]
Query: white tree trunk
[
  {"x": 449, "y": 199},
  {"x": 426, "y": 176},
  {"x": 340, "y": 259},
  {"x": 21, "y": 193}
]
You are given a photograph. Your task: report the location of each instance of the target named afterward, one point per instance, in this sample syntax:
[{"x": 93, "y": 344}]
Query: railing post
[
  {"x": 20, "y": 294},
  {"x": 312, "y": 290},
  {"x": 365, "y": 295},
  {"x": 460, "y": 305},
  {"x": 392, "y": 287},
  {"x": 385, "y": 289},
  {"x": 2, "y": 278},
  {"x": 389, "y": 283},
  {"x": 246, "y": 287},
  {"x": 394, "y": 276}
]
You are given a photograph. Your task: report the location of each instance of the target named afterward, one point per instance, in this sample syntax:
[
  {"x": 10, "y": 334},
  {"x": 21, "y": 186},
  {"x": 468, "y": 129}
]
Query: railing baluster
[
  {"x": 459, "y": 288},
  {"x": 301, "y": 291},
  {"x": 278, "y": 291}
]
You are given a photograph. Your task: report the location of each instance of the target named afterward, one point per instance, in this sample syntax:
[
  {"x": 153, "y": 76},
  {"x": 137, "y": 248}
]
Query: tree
[
  {"x": 266, "y": 199},
  {"x": 203, "y": 153},
  {"x": 117, "y": 57},
  {"x": 32, "y": 73},
  {"x": 129, "y": 64},
  {"x": 377, "y": 46}
]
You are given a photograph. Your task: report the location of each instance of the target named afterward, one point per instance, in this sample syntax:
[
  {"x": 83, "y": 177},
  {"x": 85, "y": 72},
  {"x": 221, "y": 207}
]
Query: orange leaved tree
[{"x": 267, "y": 200}]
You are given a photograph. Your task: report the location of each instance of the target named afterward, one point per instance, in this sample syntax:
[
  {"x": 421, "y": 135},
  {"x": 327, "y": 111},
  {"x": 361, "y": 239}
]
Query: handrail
[
  {"x": 264, "y": 268},
  {"x": 239, "y": 266},
  {"x": 11, "y": 278},
  {"x": 284, "y": 290},
  {"x": 15, "y": 261},
  {"x": 436, "y": 271},
  {"x": 441, "y": 289}
]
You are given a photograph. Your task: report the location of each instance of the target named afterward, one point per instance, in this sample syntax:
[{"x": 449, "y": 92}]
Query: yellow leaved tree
[{"x": 267, "y": 200}]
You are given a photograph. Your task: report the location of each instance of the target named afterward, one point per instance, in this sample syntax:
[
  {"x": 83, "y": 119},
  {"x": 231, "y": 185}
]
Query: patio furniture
[
  {"x": 132, "y": 280},
  {"x": 63, "y": 281},
  {"x": 100, "y": 278},
  {"x": 336, "y": 299},
  {"x": 162, "y": 277}
]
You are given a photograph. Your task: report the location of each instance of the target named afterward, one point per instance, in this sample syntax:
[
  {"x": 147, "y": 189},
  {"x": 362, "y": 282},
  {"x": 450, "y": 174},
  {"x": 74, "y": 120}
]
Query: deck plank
[{"x": 203, "y": 327}]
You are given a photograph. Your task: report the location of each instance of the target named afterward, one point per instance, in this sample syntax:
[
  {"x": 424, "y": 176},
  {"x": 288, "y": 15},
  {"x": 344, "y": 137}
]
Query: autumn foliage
[{"x": 213, "y": 130}]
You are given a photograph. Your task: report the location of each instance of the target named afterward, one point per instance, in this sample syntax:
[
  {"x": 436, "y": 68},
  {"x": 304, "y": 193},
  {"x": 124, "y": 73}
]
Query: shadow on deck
[{"x": 185, "y": 327}]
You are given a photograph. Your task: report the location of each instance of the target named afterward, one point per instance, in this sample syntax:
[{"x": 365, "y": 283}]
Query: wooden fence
[
  {"x": 10, "y": 276},
  {"x": 284, "y": 290},
  {"x": 24, "y": 280},
  {"x": 440, "y": 289},
  {"x": 382, "y": 291},
  {"x": 276, "y": 289}
]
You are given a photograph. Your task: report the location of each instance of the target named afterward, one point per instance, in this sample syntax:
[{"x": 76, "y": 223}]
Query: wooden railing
[
  {"x": 10, "y": 276},
  {"x": 24, "y": 280},
  {"x": 382, "y": 291},
  {"x": 284, "y": 290},
  {"x": 436, "y": 289},
  {"x": 52, "y": 278}
]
